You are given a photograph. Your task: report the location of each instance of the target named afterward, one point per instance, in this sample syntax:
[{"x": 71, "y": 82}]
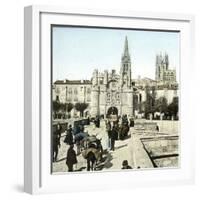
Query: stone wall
[{"x": 163, "y": 150}]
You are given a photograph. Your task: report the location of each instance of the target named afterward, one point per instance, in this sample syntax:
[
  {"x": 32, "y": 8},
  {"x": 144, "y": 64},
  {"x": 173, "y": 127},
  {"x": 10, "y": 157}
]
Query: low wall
[
  {"x": 146, "y": 125},
  {"x": 168, "y": 126},
  {"x": 165, "y": 126},
  {"x": 162, "y": 150}
]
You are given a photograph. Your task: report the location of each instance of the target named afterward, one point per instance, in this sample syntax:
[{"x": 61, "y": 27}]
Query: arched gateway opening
[{"x": 112, "y": 111}]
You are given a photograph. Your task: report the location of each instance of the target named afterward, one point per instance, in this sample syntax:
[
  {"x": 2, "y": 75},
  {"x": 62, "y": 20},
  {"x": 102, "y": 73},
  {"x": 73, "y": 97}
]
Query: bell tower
[
  {"x": 125, "y": 82},
  {"x": 125, "y": 70}
]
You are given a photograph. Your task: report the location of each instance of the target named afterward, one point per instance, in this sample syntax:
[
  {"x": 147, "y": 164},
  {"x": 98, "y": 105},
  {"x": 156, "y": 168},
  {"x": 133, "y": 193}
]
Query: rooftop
[{"x": 72, "y": 82}]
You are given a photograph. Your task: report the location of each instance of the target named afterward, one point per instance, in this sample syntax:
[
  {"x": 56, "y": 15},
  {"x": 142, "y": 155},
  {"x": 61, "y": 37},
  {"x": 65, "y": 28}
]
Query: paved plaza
[{"x": 131, "y": 149}]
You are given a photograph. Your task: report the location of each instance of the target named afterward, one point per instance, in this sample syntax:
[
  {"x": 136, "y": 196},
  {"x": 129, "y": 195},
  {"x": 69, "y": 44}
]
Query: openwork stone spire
[
  {"x": 125, "y": 70},
  {"x": 126, "y": 51}
]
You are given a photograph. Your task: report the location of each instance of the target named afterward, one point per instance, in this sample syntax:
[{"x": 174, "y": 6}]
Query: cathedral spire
[
  {"x": 125, "y": 70},
  {"x": 126, "y": 51}
]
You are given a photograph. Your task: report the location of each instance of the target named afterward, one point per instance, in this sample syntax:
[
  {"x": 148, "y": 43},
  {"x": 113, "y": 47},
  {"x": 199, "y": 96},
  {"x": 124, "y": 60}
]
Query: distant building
[
  {"x": 112, "y": 92},
  {"x": 163, "y": 73}
]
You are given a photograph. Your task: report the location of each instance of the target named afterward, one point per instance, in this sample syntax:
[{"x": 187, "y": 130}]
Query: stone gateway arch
[{"x": 112, "y": 90}]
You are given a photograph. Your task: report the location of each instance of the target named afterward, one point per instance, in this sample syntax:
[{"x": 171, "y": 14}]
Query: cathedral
[
  {"x": 117, "y": 93},
  {"x": 163, "y": 73}
]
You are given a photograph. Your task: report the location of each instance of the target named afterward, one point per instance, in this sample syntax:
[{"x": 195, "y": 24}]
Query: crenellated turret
[
  {"x": 105, "y": 80},
  {"x": 95, "y": 77},
  {"x": 166, "y": 58}
]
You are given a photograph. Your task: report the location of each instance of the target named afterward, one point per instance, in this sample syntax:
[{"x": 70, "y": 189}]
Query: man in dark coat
[
  {"x": 59, "y": 129},
  {"x": 97, "y": 121},
  {"x": 71, "y": 158},
  {"x": 157, "y": 128},
  {"x": 69, "y": 136},
  {"x": 113, "y": 136},
  {"x": 56, "y": 144}
]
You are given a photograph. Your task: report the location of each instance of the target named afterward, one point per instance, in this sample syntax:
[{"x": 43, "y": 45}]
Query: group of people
[
  {"x": 71, "y": 139},
  {"x": 77, "y": 139},
  {"x": 117, "y": 130},
  {"x": 71, "y": 158}
]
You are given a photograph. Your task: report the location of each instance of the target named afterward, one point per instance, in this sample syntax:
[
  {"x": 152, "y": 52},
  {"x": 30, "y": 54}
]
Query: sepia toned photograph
[{"x": 114, "y": 99}]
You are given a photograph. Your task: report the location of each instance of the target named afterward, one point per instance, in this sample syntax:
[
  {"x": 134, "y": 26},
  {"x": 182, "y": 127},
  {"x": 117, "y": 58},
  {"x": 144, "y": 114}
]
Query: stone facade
[
  {"x": 163, "y": 73},
  {"x": 112, "y": 89},
  {"x": 117, "y": 92}
]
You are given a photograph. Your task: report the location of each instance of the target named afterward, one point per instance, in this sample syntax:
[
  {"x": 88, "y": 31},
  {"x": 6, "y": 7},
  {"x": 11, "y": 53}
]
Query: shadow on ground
[
  {"x": 106, "y": 162},
  {"x": 119, "y": 147},
  {"x": 80, "y": 169},
  {"x": 61, "y": 159}
]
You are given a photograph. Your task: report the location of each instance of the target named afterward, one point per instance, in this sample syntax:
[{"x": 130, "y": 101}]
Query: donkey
[{"x": 91, "y": 161}]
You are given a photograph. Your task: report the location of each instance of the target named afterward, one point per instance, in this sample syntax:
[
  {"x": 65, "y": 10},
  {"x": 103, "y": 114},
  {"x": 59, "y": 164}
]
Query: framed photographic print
[{"x": 104, "y": 96}]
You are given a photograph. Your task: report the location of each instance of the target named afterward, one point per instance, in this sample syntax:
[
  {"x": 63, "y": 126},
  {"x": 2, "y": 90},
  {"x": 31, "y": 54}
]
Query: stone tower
[
  {"x": 95, "y": 94},
  {"x": 157, "y": 75},
  {"x": 162, "y": 66},
  {"x": 125, "y": 70},
  {"x": 125, "y": 82},
  {"x": 166, "y": 61},
  {"x": 162, "y": 63}
]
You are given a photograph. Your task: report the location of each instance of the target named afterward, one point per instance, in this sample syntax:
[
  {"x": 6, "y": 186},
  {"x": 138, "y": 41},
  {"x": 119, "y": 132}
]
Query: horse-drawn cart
[{"x": 93, "y": 151}]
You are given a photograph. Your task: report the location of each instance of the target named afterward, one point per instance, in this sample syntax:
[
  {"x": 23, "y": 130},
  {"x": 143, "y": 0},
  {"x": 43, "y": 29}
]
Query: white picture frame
[{"x": 37, "y": 176}]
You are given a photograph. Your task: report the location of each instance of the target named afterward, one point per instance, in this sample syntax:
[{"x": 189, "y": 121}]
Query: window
[
  {"x": 108, "y": 97},
  {"x": 88, "y": 94},
  {"x": 117, "y": 95},
  {"x": 57, "y": 89},
  {"x": 140, "y": 96},
  {"x": 70, "y": 94},
  {"x": 88, "y": 91},
  {"x": 75, "y": 94},
  {"x": 75, "y": 91}
]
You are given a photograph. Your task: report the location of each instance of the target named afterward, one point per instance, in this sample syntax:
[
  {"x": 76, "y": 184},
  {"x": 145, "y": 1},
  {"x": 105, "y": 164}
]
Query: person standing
[
  {"x": 97, "y": 122},
  {"x": 113, "y": 137},
  {"x": 56, "y": 145},
  {"x": 88, "y": 120},
  {"x": 59, "y": 129},
  {"x": 108, "y": 129},
  {"x": 69, "y": 136},
  {"x": 71, "y": 158},
  {"x": 157, "y": 128}
]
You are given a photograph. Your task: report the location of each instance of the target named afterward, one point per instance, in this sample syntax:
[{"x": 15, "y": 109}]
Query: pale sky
[{"x": 78, "y": 51}]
